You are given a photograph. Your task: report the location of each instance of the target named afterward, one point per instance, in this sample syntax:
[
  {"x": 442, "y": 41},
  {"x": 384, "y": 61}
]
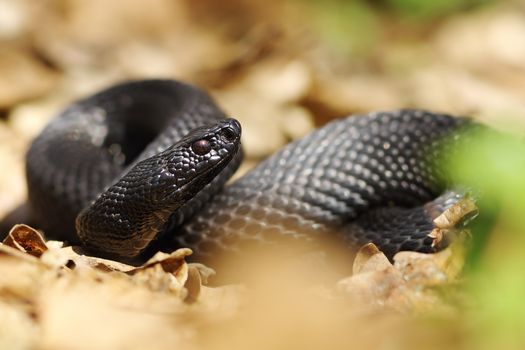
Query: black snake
[{"x": 146, "y": 162}]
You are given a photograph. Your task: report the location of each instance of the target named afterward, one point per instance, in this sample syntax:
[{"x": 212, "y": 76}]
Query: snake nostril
[
  {"x": 228, "y": 134},
  {"x": 201, "y": 147}
]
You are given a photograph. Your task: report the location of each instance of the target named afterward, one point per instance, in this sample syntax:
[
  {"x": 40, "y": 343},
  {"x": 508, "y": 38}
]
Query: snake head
[
  {"x": 125, "y": 218},
  {"x": 186, "y": 167}
]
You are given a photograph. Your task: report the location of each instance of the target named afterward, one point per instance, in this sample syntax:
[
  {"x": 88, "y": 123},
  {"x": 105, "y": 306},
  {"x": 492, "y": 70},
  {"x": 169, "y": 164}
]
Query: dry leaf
[
  {"x": 193, "y": 284},
  {"x": 74, "y": 257},
  {"x": 431, "y": 269},
  {"x": 26, "y": 239},
  {"x": 77, "y": 312},
  {"x": 370, "y": 258}
]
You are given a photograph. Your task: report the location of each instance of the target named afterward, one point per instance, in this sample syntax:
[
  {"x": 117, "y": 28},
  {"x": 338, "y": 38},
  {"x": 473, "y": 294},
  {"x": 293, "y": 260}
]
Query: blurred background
[{"x": 282, "y": 68}]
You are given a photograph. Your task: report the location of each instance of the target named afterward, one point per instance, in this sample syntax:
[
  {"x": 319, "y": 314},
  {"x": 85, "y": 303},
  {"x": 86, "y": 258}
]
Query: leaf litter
[{"x": 64, "y": 299}]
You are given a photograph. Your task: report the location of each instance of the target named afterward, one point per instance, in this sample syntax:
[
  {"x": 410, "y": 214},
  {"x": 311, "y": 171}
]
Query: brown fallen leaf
[
  {"x": 73, "y": 257},
  {"x": 164, "y": 272},
  {"x": 172, "y": 262},
  {"x": 375, "y": 281},
  {"x": 193, "y": 284},
  {"x": 447, "y": 223},
  {"x": 205, "y": 272},
  {"x": 370, "y": 258},
  {"x": 26, "y": 239},
  {"x": 432, "y": 269},
  {"x": 463, "y": 210}
]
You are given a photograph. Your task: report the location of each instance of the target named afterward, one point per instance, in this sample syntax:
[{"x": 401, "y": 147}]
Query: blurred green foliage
[
  {"x": 494, "y": 165},
  {"x": 429, "y": 9},
  {"x": 357, "y": 26},
  {"x": 349, "y": 26}
]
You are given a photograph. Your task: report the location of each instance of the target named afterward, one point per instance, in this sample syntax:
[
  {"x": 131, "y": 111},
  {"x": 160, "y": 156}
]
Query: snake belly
[{"x": 369, "y": 178}]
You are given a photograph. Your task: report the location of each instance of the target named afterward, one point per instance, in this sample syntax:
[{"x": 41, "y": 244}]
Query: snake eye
[
  {"x": 201, "y": 147},
  {"x": 227, "y": 134}
]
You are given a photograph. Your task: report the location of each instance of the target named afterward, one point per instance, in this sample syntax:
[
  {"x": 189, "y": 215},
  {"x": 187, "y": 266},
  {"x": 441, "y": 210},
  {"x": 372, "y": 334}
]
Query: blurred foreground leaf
[
  {"x": 432, "y": 9},
  {"x": 494, "y": 165}
]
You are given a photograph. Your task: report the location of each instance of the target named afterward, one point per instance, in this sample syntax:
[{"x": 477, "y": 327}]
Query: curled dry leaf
[
  {"x": 431, "y": 269},
  {"x": 383, "y": 288},
  {"x": 26, "y": 239},
  {"x": 205, "y": 272},
  {"x": 463, "y": 210},
  {"x": 156, "y": 279},
  {"x": 159, "y": 272},
  {"x": 370, "y": 258},
  {"x": 193, "y": 284},
  {"x": 404, "y": 285},
  {"x": 375, "y": 280},
  {"x": 198, "y": 275},
  {"x": 447, "y": 223},
  {"x": 164, "y": 272},
  {"x": 172, "y": 262}
]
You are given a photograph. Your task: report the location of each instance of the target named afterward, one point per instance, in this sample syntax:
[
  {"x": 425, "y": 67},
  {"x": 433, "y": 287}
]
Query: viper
[{"x": 145, "y": 163}]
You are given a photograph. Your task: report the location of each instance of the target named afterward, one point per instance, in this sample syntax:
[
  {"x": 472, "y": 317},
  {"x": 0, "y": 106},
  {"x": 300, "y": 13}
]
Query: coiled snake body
[{"x": 128, "y": 161}]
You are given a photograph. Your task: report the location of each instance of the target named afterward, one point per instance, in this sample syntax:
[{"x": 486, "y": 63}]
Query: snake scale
[{"x": 147, "y": 161}]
